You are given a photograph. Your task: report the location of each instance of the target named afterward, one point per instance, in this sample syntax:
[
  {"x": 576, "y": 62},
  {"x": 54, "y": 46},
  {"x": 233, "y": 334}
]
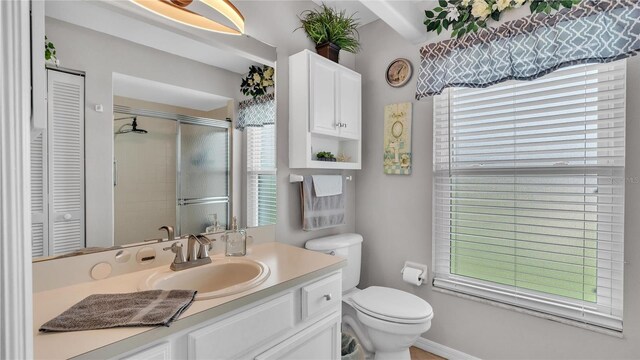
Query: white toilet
[{"x": 386, "y": 321}]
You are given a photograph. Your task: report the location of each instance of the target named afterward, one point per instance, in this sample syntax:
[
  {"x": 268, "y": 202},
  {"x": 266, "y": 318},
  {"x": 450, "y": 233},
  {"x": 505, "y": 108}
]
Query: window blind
[
  {"x": 529, "y": 192},
  {"x": 261, "y": 175}
]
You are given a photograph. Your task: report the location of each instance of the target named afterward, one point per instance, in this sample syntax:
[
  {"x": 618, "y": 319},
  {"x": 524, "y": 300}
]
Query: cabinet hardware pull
[{"x": 328, "y": 297}]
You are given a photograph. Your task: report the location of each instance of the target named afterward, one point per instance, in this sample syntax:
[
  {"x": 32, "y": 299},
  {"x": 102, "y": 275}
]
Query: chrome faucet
[
  {"x": 170, "y": 233},
  {"x": 198, "y": 247}
]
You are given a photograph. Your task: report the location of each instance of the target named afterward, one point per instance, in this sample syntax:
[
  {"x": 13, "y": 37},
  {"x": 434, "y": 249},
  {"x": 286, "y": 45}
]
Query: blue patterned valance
[
  {"x": 594, "y": 31},
  {"x": 257, "y": 112}
]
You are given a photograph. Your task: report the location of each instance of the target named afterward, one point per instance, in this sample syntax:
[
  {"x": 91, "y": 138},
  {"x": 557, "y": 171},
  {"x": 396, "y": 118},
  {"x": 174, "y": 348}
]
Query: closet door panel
[
  {"x": 39, "y": 208},
  {"x": 65, "y": 113}
]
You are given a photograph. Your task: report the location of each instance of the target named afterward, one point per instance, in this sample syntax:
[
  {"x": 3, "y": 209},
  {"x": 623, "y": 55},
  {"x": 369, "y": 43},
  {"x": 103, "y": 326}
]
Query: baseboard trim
[{"x": 441, "y": 350}]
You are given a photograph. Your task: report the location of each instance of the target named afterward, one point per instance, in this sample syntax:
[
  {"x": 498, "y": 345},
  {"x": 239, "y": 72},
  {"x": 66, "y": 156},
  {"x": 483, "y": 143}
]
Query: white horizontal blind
[
  {"x": 529, "y": 192},
  {"x": 261, "y": 175}
]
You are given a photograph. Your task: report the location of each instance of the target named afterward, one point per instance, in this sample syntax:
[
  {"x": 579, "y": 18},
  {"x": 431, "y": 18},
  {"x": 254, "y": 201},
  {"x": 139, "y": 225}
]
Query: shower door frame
[{"x": 192, "y": 120}]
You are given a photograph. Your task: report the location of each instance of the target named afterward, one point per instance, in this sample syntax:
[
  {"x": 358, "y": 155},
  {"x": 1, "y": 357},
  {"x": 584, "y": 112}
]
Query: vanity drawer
[
  {"x": 321, "y": 296},
  {"x": 232, "y": 337}
]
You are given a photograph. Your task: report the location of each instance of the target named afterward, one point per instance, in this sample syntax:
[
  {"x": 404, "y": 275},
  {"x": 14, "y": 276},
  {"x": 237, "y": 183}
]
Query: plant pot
[
  {"x": 327, "y": 159},
  {"x": 329, "y": 50}
]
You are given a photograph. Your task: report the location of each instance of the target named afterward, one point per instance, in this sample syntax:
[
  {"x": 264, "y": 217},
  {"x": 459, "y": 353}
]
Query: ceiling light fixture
[{"x": 200, "y": 14}]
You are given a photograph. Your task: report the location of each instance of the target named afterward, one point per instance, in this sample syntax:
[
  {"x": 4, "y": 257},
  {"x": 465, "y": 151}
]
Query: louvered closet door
[
  {"x": 66, "y": 162},
  {"x": 39, "y": 227}
]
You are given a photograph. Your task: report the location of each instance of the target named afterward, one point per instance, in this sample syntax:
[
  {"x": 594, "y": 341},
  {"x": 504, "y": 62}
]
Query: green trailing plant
[
  {"x": 257, "y": 81},
  {"x": 327, "y": 24},
  {"x": 49, "y": 51},
  {"x": 466, "y": 16}
]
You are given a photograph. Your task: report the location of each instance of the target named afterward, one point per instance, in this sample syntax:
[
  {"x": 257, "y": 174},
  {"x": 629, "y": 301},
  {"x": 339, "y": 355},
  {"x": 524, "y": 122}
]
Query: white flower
[
  {"x": 452, "y": 13},
  {"x": 519, "y": 3},
  {"x": 501, "y": 4},
  {"x": 465, "y": 3},
  {"x": 256, "y": 78},
  {"x": 480, "y": 9}
]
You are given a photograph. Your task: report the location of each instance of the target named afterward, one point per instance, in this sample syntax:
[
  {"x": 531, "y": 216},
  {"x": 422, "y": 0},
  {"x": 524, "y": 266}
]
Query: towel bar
[{"x": 293, "y": 178}]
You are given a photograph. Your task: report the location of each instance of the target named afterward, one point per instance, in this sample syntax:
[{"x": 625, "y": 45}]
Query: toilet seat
[{"x": 392, "y": 305}]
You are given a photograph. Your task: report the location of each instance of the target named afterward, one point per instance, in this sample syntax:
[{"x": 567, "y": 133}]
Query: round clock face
[{"x": 399, "y": 72}]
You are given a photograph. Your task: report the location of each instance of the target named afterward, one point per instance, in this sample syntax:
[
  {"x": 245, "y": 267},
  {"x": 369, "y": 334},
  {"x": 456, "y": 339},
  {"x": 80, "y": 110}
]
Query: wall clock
[{"x": 399, "y": 72}]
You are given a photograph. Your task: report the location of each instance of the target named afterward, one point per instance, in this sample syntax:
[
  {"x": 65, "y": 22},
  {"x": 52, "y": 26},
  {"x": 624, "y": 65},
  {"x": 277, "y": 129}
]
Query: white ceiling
[
  {"x": 404, "y": 16},
  {"x": 149, "y": 90},
  {"x": 356, "y": 7},
  {"x": 124, "y": 20}
]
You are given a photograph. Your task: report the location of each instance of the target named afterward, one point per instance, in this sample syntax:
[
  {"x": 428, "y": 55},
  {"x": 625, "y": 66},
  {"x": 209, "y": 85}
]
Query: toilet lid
[{"x": 392, "y": 305}]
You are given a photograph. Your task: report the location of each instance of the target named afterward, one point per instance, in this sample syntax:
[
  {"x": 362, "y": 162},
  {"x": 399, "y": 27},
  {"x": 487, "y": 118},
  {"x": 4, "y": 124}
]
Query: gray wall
[
  {"x": 278, "y": 31},
  {"x": 394, "y": 216}
]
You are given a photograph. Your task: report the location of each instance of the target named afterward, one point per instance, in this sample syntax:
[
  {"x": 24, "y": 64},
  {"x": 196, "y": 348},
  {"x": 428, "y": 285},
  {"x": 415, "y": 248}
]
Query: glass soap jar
[{"x": 235, "y": 240}]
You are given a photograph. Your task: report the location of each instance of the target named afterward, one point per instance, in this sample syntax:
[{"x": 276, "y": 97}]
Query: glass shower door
[{"x": 203, "y": 174}]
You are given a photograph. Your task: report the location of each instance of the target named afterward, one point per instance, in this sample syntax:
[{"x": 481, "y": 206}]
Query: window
[
  {"x": 261, "y": 175},
  {"x": 529, "y": 192}
]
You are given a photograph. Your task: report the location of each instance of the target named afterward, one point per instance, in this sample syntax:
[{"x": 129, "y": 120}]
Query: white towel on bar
[
  {"x": 320, "y": 212},
  {"x": 327, "y": 185}
]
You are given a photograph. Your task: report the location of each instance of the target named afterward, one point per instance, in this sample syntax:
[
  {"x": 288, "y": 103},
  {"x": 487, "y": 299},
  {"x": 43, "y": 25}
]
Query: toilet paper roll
[{"x": 412, "y": 276}]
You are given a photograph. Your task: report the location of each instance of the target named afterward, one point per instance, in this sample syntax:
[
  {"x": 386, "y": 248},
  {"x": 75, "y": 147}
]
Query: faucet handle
[
  {"x": 176, "y": 248},
  {"x": 203, "y": 240},
  {"x": 206, "y": 244}
]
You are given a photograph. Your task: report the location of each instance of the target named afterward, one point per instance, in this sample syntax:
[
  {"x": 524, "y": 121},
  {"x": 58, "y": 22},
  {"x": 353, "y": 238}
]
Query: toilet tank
[{"x": 348, "y": 246}]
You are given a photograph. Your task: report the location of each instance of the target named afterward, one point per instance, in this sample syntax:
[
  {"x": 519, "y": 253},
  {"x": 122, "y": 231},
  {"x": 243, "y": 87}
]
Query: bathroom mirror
[{"x": 141, "y": 129}]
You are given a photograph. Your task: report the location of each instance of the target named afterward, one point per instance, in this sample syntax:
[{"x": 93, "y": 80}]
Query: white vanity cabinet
[
  {"x": 160, "y": 351},
  {"x": 277, "y": 327},
  {"x": 325, "y": 112}
]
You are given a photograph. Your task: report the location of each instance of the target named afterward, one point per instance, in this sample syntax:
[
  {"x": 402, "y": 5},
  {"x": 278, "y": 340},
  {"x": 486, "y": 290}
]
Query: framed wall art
[{"x": 397, "y": 139}]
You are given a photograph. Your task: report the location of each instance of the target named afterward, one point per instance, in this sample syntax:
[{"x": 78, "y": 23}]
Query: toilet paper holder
[{"x": 414, "y": 265}]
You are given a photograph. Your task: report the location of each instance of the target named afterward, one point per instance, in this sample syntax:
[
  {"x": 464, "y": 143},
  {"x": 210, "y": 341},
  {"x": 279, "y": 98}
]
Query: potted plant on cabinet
[
  {"x": 325, "y": 156},
  {"x": 331, "y": 30}
]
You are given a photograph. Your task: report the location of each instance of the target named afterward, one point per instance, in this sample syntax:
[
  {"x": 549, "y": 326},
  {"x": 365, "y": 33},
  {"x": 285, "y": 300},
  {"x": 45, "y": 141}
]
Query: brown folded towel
[{"x": 144, "y": 308}]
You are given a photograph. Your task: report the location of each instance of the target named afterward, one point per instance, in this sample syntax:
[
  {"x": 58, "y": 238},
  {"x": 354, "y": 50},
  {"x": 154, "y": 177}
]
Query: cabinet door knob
[
  {"x": 67, "y": 216},
  {"x": 327, "y": 297}
]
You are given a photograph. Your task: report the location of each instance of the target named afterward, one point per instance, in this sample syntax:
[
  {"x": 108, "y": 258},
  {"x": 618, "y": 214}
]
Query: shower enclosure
[{"x": 177, "y": 173}]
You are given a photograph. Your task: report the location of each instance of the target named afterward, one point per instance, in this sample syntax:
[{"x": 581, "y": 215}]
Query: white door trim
[{"x": 16, "y": 318}]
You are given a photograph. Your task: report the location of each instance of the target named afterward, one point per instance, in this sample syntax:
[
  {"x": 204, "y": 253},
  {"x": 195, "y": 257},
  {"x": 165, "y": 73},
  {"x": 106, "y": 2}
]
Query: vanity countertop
[{"x": 289, "y": 266}]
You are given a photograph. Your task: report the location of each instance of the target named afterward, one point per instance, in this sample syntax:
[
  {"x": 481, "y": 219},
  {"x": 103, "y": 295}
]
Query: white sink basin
[{"x": 222, "y": 277}]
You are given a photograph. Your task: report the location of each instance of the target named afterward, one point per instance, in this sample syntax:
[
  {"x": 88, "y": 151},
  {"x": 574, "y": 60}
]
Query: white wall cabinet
[
  {"x": 277, "y": 327},
  {"x": 325, "y": 112}
]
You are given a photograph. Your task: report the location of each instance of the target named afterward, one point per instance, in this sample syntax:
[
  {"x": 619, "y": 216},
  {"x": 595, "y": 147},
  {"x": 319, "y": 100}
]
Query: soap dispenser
[
  {"x": 215, "y": 225},
  {"x": 236, "y": 240}
]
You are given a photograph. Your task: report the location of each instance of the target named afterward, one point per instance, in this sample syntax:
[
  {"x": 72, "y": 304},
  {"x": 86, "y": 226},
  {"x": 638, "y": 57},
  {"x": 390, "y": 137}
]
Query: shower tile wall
[{"x": 145, "y": 194}]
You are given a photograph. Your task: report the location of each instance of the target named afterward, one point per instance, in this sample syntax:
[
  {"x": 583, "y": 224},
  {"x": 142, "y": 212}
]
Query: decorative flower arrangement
[
  {"x": 257, "y": 81},
  {"x": 342, "y": 157},
  {"x": 465, "y": 16}
]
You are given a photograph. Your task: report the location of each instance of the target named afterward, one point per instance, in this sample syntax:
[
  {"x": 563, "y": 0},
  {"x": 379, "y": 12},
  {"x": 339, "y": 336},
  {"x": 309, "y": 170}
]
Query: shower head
[{"x": 133, "y": 125}]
